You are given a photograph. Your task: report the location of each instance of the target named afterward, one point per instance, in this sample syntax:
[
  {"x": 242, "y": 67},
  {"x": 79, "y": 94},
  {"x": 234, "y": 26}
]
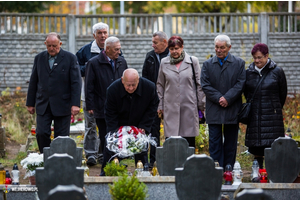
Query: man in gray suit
[{"x": 54, "y": 90}]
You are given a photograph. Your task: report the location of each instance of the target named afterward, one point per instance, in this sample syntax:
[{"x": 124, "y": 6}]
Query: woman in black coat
[{"x": 266, "y": 121}]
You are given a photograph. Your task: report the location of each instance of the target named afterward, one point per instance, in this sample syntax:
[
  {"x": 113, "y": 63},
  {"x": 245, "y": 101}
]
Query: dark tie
[
  {"x": 112, "y": 64},
  {"x": 51, "y": 62}
]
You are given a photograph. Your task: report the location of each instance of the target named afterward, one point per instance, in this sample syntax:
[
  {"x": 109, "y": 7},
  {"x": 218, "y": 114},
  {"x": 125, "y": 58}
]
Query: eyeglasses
[{"x": 258, "y": 58}]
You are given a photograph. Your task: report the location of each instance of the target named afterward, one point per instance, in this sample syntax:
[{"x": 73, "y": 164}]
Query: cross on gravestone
[
  {"x": 172, "y": 154},
  {"x": 64, "y": 192},
  {"x": 64, "y": 144},
  {"x": 283, "y": 160},
  {"x": 59, "y": 169},
  {"x": 199, "y": 179},
  {"x": 250, "y": 194}
]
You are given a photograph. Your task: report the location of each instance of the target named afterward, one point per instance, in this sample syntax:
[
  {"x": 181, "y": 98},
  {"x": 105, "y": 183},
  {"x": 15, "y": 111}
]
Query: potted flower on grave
[{"x": 30, "y": 163}]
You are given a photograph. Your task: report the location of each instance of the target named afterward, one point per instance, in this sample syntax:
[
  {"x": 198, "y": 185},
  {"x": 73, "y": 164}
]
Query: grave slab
[
  {"x": 199, "y": 179},
  {"x": 172, "y": 154},
  {"x": 63, "y": 192},
  {"x": 59, "y": 169},
  {"x": 283, "y": 160},
  {"x": 64, "y": 144},
  {"x": 277, "y": 191},
  {"x": 251, "y": 194}
]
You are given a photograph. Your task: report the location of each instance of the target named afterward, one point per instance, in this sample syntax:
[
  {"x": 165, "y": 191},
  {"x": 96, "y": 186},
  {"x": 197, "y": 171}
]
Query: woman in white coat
[{"x": 177, "y": 92}]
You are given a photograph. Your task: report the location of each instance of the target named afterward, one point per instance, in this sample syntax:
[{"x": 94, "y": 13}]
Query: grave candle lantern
[
  {"x": 15, "y": 174},
  {"x": 237, "y": 173},
  {"x": 228, "y": 175},
  {"x": 263, "y": 175}
]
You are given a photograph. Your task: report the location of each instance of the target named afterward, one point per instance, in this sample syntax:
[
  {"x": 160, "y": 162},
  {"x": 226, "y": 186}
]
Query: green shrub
[
  {"x": 113, "y": 169},
  {"x": 128, "y": 188}
]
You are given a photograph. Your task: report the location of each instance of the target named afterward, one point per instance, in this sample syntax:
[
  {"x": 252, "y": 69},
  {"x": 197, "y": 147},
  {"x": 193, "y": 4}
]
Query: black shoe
[{"x": 91, "y": 162}]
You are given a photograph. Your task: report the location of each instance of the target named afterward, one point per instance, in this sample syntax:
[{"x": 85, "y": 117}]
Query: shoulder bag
[
  {"x": 243, "y": 115},
  {"x": 201, "y": 115}
]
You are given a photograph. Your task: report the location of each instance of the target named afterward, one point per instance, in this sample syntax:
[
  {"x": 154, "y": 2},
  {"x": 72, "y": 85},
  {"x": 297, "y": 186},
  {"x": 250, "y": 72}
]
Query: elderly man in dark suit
[
  {"x": 54, "y": 90},
  {"x": 100, "y": 72},
  {"x": 130, "y": 101}
]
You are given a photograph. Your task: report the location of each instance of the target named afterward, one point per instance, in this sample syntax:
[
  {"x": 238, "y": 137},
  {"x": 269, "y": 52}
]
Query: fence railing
[
  {"x": 141, "y": 24},
  {"x": 33, "y": 23}
]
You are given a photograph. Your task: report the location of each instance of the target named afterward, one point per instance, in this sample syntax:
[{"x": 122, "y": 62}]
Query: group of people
[{"x": 172, "y": 87}]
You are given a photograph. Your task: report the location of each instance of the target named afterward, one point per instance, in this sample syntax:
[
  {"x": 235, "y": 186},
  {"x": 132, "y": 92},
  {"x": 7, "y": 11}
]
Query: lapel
[
  {"x": 169, "y": 66},
  {"x": 229, "y": 60},
  {"x": 59, "y": 58},
  {"x": 46, "y": 57},
  {"x": 186, "y": 63}
]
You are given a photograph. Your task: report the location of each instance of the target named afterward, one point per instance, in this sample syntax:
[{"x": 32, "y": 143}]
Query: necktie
[
  {"x": 112, "y": 64},
  {"x": 51, "y": 62}
]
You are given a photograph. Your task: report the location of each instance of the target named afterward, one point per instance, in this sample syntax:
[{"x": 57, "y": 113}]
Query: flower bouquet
[
  {"x": 128, "y": 140},
  {"x": 31, "y": 162}
]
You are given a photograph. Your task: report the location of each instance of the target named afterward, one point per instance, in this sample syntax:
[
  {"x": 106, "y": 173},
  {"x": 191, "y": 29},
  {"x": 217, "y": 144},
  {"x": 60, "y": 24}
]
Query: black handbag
[
  {"x": 201, "y": 115},
  {"x": 243, "y": 115}
]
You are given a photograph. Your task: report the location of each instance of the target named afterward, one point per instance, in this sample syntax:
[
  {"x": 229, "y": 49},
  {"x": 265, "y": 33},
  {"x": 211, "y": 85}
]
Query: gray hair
[
  {"x": 53, "y": 34},
  {"x": 100, "y": 26},
  {"x": 161, "y": 35},
  {"x": 110, "y": 40},
  {"x": 223, "y": 38}
]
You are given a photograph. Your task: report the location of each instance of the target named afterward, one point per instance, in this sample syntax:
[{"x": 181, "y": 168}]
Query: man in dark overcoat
[
  {"x": 222, "y": 79},
  {"x": 101, "y": 71},
  {"x": 54, "y": 90},
  {"x": 150, "y": 72},
  {"x": 131, "y": 101}
]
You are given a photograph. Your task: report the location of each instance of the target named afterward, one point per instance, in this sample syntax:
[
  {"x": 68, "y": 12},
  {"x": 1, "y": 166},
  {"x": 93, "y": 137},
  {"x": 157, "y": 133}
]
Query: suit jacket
[
  {"x": 137, "y": 109},
  {"x": 60, "y": 86},
  {"x": 98, "y": 76}
]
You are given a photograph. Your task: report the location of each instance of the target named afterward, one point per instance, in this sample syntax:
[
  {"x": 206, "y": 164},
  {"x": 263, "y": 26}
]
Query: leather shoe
[{"x": 91, "y": 162}]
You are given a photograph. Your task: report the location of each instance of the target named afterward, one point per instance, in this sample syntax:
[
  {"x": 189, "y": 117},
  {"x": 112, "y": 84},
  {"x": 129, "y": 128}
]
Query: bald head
[{"x": 130, "y": 80}]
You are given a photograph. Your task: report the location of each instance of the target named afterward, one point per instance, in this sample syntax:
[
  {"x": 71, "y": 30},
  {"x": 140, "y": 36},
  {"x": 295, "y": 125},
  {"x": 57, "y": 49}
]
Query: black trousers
[
  {"x": 101, "y": 124},
  {"x": 43, "y": 127}
]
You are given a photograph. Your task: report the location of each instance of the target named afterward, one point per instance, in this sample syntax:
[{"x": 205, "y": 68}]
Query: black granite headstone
[
  {"x": 283, "y": 160},
  {"x": 65, "y": 192},
  {"x": 199, "y": 179},
  {"x": 64, "y": 144},
  {"x": 59, "y": 169},
  {"x": 172, "y": 154},
  {"x": 252, "y": 194}
]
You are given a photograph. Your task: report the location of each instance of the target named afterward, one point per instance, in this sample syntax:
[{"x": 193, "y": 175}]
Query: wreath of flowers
[{"x": 128, "y": 140}]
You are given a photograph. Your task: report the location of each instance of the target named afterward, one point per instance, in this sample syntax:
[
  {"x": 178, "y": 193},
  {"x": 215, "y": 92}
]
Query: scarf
[{"x": 174, "y": 61}]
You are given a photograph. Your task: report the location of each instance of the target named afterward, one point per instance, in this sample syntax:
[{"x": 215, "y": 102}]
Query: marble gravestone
[
  {"x": 65, "y": 192},
  {"x": 199, "y": 179},
  {"x": 172, "y": 154},
  {"x": 59, "y": 169},
  {"x": 283, "y": 160},
  {"x": 64, "y": 144},
  {"x": 252, "y": 194}
]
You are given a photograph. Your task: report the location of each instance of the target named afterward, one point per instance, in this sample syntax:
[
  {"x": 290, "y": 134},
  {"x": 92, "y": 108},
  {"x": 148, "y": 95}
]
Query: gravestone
[
  {"x": 2, "y": 139},
  {"x": 199, "y": 179},
  {"x": 251, "y": 194},
  {"x": 172, "y": 154},
  {"x": 65, "y": 192},
  {"x": 59, "y": 169},
  {"x": 64, "y": 144},
  {"x": 283, "y": 160}
]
